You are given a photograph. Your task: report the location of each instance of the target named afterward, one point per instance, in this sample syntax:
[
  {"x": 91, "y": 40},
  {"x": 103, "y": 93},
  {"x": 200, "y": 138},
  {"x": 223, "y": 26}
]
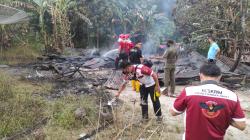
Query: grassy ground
[
  {"x": 18, "y": 55},
  {"x": 22, "y": 106},
  {"x": 21, "y": 52},
  {"x": 63, "y": 124},
  {"x": 24, "y": 103},
  {"x": 18, "y": 108}
]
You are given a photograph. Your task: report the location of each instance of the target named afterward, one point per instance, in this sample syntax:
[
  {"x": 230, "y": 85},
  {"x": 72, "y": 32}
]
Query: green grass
[
  {"x": 62, "y": 111},
  {"x": 19, "y": 55},
  {"x": 23, "y": 50},
  {"x": 63, "y": 124},
  {"x": 18, "y": 108}
]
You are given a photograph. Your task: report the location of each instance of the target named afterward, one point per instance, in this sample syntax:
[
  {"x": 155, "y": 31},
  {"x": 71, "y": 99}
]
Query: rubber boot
[{"x": 144, "y": 109}]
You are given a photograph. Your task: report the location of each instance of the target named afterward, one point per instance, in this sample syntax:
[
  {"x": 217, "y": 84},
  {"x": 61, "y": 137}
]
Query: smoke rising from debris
[
  {"x": 162, "y": 29},
  {"x": 158, "y": 23},
  {"x": 168, "y": 6}
]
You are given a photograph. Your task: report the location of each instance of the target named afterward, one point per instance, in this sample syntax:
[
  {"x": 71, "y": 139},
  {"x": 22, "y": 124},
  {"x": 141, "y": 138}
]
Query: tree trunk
[
  {"x": 97, "y": 38},
  {"x": 243, "y": 29},
  {"x": 1, "y": 40},
  {"x": 237, "y": 61}
]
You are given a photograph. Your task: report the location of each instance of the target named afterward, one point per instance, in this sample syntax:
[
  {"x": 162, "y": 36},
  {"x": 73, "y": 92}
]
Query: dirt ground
[{"x": 174, "y": 125}]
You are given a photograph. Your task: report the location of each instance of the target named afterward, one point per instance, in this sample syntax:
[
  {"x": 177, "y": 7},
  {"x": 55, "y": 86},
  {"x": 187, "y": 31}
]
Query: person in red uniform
[
  {"x": 122, "y": 55},
  {"x": 121, "y": 38},
  {"x": 128, "y": 43},
  {"x": 209, "y": 107},
  {"x": 125, "y": 45},
  {"x": 148, "y": 85}
]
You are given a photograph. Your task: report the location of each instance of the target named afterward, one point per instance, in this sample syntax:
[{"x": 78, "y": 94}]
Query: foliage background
[{"x": 83, "y": 23}]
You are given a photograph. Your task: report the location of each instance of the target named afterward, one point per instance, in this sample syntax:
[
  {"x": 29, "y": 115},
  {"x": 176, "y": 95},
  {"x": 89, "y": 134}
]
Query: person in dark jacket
[{"x": 135, "y": 57}]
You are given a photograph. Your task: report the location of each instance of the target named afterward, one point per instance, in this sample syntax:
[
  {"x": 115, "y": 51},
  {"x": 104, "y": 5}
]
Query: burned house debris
[{"x": 187, "y": 68}]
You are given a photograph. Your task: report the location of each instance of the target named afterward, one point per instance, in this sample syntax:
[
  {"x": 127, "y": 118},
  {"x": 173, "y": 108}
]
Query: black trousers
[
  {"x": 211, "y": 61},
  {"x": 123, "y": 57},
  {"x": 144, "y": 92}
]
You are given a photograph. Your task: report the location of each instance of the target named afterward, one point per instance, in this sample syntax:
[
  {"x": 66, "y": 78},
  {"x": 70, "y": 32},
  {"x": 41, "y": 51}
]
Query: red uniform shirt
[
  {"x": 209, "y": 110},
  {"x": 143, "y": 74},
  {"x": 125, "y": 47}
]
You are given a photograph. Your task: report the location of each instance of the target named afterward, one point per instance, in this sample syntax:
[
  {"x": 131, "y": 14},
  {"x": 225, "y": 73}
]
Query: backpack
[
  {"x": 147, "y": 63},
  {"x": 133, "y": 76}
]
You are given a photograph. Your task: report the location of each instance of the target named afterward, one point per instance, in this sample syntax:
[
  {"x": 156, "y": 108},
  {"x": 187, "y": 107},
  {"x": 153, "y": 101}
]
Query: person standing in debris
[
  {"x": 125, "y": 45},
  {"x": 135, "y": 57},
  {"x": 129, "y": 44},
  {"x": 149, "y": 86},
  {"x": 121, "y": 51},
  {"x": 210, "y": 108},
  {"x": 170, "y": 56},
  {"x": 214, "y": 50}
]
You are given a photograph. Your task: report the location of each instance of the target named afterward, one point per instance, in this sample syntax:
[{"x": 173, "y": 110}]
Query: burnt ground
[
  {"x": 92, "y": 83},
  {"x": 89, "y": 83},
  {"x": 126, "y": 115}
]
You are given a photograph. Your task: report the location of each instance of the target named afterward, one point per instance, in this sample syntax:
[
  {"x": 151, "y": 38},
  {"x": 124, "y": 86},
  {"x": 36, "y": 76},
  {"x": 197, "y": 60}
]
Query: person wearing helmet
[
  {"x": 121, "y": 38},
  {"x": 128, "y": 43},
  {"x": 122, "y": 55},
  {"x": 125, "y": 45}
]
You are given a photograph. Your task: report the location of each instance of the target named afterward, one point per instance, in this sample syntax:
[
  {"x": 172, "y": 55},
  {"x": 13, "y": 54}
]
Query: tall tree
[{"x": 225, "y": 19}]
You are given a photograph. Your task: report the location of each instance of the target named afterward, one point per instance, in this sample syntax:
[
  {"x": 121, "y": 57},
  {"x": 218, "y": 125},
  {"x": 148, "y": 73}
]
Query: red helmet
[
  {"x": 122, "y": 36},
  {"x": 127, "y": 36}
]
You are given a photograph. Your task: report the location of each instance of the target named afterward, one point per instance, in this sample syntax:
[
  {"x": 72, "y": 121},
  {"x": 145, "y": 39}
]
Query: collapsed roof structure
[{"x": 187, "y": 67}]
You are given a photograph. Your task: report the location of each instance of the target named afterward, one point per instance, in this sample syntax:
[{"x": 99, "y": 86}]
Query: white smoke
[
  {"x": 163, "y": 28},
  {"x": 168, "y": 6}
]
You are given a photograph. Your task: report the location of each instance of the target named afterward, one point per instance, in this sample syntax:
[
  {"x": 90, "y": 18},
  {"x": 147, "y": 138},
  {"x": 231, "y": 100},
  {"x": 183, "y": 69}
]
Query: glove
[{"x": 156, "y": 95}]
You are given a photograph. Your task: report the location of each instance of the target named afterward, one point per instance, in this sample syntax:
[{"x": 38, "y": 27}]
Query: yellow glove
[{"x": 156, "y": 95}]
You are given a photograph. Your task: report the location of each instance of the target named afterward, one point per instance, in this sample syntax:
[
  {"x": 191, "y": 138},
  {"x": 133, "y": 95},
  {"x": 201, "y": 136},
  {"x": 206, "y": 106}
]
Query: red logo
[{"x": 211, "y": 109}]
